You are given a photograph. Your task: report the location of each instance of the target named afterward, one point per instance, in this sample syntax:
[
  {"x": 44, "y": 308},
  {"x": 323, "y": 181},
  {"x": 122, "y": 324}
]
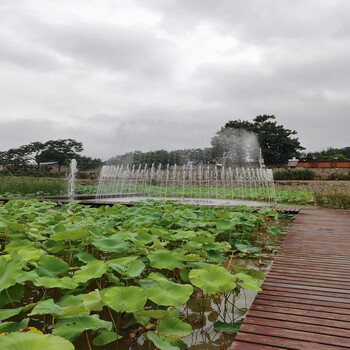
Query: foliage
[
  {"x": 58, "y": 256},
  {"x": 88, "y": 163},
  {"x": 59, "y": 151},
  {"x": 30, "y": 172},
  {"x": 336, "y": 199},
  {"x": 182, "y": 156},
  {"x": 328, "y": 154},
  {"x": 276, "y": 142},
  {"x": 338, "y": 176},
  {"x": 305, "y": 174},
  {"x": 16, "y": 186}
]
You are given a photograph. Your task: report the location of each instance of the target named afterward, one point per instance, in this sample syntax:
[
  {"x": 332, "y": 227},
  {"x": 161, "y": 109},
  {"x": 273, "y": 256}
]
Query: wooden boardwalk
[{"x": 305, "y": 303}]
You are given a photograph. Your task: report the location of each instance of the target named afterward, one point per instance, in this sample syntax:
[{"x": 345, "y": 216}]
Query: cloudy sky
[{"x": 121, "y": 75}]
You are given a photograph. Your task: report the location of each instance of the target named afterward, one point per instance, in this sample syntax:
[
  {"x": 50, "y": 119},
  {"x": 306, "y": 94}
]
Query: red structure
[{"x": 325, "y": 164}]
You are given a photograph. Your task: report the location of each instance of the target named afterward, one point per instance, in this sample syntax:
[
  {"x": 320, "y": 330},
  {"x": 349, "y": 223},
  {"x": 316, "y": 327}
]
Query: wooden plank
[
  {"x": 313, "y": 337},
  {"x": 280, "y": 342},
  {"x": 305, "y": 303}
]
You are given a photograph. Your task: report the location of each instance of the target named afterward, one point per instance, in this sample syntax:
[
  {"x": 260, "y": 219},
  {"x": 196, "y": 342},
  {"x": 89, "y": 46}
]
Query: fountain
[
  {"x": 214, "y": 186},
  {"x": 71, "y": 179},
  {"x": 238, "y": 177}
]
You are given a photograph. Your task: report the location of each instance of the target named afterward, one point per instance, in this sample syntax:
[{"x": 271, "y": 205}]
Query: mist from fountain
[
  {"x": 237, "y": 177},
  {"x": 188, "y": 184}
]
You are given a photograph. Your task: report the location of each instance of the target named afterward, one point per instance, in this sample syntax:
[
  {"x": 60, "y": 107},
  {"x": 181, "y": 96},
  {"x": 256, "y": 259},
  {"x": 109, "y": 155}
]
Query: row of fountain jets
[{"x": 186, "y": 181}]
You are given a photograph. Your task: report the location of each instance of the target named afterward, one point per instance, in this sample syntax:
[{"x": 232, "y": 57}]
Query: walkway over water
[{"x": 305, "y": 303}]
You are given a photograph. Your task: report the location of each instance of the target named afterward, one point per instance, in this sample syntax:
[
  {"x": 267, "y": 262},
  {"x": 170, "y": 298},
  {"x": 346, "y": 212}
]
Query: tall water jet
[{"x": 73, "y": 170}]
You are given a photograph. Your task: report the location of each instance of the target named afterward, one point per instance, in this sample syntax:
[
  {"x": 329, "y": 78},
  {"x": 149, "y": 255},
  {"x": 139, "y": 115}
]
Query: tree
[
  {"x": 276, "y": 142},
  {"x": 88, "y": 163},
  {"x": 16, "y": 158},
  {"x": 34, "y": 152},
  {"x": 61, "y": 151},
  {"x": 329, "y": 154}
]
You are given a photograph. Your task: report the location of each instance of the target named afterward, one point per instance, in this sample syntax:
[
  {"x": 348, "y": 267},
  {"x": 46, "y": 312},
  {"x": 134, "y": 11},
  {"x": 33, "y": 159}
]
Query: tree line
[
  {"x": 59, "y": 152},
  {"x": 277, "y": 143}
]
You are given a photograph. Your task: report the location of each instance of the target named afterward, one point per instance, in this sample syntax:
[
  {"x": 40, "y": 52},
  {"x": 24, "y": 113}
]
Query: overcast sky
[{"x": 151, "y": 74}]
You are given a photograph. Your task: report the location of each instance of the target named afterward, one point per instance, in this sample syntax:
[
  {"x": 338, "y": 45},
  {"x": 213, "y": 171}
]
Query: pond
[{"x": 173, "y": 273}]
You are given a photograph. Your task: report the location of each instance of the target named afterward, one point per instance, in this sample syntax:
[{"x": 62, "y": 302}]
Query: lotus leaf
[
  {"x": 153, "y": 313},
  {"x": 112, "y": 244},
  {"x": 30, "y": 253},
  {"x": 174, "y": 326},
  {"x": 93, "y": 301},
  {"x": 160, "y": 343},
  {"x": 15, "y": 292},
  {"x": 93, "y": 269},
  {"x": 85, "y": 257},
  {"x": 165, "y": 259},
  {"x": 7, "y": 313},
  {"x": 225, "y": 225},
  {"x": 26, "y": 341},
  {"x": 47, "y": 307},
  {"x": 274, "y": 230},
  {"x": 9, "y": 327},
  {"x": 70, "y": 235},
  {"x": 212, "y": 279},
  {"x": 106, "y": 337},
  {"x": 10, "y": 271},
  {"x": 169, "y": 293},
  {"x": 51, "y": 266},
  {"x": 71, "y": 328},
  {"x": 128, "y": 299},
  {"x": 258, "y": 275},
  {"x": 50, "y": 282},
  {"x": 135, "y": 268},
  {"x": 248, "y": 282}
]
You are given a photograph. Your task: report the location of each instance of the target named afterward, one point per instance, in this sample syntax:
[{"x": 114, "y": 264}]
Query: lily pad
[
  {"x": 174, "y": 326},
  {"x": 10, "y": 271},
  {"x": 111, "y": 244},
  {"x": 47, "y": 307},
  {"x": 128, "y": 299},
  {"x": 160, "y": 343},
  {"x": 169, "y": 293},
  {"x": 70, "y": 235},
  {"x": 93, "y": 269},
  {"x": 7, "y": 313},
  {"x": 51, "y": 266},
  {"x": 71, "y": 328},
  {"x": 92, "y": 301},
  {"x": 106, "y": 337},
  {"x": 26, "y": 341},
  {"x": 165, "y": 259},
  {"x": 212, "y": 279}
]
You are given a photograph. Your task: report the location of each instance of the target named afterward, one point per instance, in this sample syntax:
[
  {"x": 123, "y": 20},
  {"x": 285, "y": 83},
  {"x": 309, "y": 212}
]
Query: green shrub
[
  {"x": 333, "y": 199},
  {"x": 30, "y": 173},
  {"x": 338, "y": 176},
  {"x": 294, "y": 175}
]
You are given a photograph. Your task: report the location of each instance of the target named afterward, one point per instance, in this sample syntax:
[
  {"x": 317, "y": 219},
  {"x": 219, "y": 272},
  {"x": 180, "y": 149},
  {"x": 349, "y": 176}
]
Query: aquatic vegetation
[
  {"x": 333, "y": 199},
  {"x": 31, "y": 186},
  {"x": 102, "y": 273}
]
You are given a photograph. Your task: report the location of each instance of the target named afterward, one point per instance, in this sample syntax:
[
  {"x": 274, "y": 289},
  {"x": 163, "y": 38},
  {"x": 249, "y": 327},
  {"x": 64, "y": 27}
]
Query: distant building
[
  {"x": 324, "y": 164},
  {"x": 292, "y": 163}
]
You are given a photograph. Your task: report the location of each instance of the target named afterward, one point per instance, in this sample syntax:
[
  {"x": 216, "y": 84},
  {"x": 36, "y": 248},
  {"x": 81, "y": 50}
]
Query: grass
[
  {"x": 30, "y": 186},
  {"x": 334, "y": 199}
]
